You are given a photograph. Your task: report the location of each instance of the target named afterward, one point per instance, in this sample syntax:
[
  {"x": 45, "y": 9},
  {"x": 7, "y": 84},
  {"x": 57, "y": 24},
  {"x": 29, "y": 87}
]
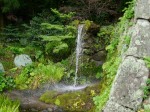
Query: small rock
[
  {"x": 22, "y": 60},
  {"x": 50, "y": 110},
  {"x": 44, "y": 111},
  {"x": 34, "y": 110}
]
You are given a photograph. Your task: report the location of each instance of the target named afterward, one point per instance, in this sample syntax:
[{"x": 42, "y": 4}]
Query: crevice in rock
[
  {"x": 134, "y": 57},
  {"x": 127, "y": 107},
  {"x": 143, "y": 19}
]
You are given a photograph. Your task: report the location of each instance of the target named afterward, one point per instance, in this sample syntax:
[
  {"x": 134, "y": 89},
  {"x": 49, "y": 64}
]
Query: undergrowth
[
  {"x": 33, "y": 76},
  {"x": 119, "y": 38}
]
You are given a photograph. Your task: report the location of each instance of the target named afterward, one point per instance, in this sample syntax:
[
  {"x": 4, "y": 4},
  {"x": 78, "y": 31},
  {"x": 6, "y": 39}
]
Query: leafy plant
[
  {"x": 34, "y": 75},
  {"x": 6, "y": 82}
]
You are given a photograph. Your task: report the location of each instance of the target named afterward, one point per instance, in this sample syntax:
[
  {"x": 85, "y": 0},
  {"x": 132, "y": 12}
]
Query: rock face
[
  {"x": 142, "y": 9},
  {"x": 22, "y": 60},
  {"x": 126, "y": 93},
  {"x": 1, "y": 68}
]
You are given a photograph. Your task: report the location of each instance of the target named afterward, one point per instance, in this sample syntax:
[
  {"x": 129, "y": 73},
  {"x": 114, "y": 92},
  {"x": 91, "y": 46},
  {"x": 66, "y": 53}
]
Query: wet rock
[
  {"x": 22, "y": 60},
  {"x": 142, "y": 9},
  {"x": 139, "y": 45},
  {"x": 1, "y": 68},
  {"x": 126, "y": 90}
]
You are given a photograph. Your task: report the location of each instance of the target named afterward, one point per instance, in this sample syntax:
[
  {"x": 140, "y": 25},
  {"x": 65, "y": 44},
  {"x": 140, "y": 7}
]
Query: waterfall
[{"x": 78, "y": 50}]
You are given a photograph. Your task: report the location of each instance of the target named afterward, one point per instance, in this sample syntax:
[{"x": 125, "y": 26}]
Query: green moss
[{"x": 73, "y": 101}]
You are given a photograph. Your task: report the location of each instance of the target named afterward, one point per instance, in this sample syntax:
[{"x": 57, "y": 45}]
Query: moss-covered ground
[{"x": 75, "y": 101}]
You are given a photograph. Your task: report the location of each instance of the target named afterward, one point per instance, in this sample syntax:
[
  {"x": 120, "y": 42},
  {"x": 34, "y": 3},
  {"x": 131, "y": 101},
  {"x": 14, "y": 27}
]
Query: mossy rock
[
  {"x": 75, "y": 101},
  {"x": 93, "y": 29}
]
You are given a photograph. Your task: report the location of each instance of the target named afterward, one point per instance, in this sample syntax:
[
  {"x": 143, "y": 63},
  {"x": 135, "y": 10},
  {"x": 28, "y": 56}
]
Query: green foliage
[
  {"x": 146, "y": 89},
  {"x": 15, "y": 49},
  {"x": 33, "y": 76},
  {"x": 101, "y": 99},
  {"x": 6, "y": 82},
  {"x": 147, "y": 61},
  {"x": 110, "y": 69},
  {"x": 51, "y": 32},
  {"x": 146, "y": 108},
  {"x": 58, "y": 39},
  {"x": 105, "y": 34},
  {"x": 57, "y": 102},
  {"x": 7, "y": 105},
  {"x": 11, "y": 33},
  {"x": 114, "y": 49},
  {"x": 9, "y": 5},
  {"x": 62, "y": 17}
]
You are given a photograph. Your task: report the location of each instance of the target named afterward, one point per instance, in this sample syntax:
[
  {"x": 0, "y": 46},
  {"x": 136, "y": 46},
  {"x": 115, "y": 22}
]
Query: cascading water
[{"x": 78, "y": 50}]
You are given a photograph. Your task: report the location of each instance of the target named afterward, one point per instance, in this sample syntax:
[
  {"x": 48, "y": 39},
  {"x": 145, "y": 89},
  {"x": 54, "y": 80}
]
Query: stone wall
[{"x": 126, "y": 93}]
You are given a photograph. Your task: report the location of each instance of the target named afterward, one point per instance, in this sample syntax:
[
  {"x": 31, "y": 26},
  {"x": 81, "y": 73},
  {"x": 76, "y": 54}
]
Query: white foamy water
[{"x": 64, "y": 88}]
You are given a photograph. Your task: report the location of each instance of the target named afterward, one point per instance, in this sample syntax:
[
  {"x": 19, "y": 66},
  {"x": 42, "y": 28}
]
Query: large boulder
[
  {"x": 142, "y": 9},
  {"x": 1, "y": 68},
  {"x": 126, "y": 90},
  {"x": 22, "y": 60},
  {"x": 140, "y": 41}
]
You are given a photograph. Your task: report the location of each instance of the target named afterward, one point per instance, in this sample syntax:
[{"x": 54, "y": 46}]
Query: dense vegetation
[{"x": 46, "y": 31}]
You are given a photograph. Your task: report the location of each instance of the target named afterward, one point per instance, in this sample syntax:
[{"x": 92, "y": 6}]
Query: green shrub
[
  {"x": 51, "y": 31},
  {"x": 7, "y": 105},
  {"x": 33, "y": 76}
]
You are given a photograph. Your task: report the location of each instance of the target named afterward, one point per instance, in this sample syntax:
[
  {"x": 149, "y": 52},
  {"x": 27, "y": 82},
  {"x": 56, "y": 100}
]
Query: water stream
[{"x": 78, "y": 50}]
